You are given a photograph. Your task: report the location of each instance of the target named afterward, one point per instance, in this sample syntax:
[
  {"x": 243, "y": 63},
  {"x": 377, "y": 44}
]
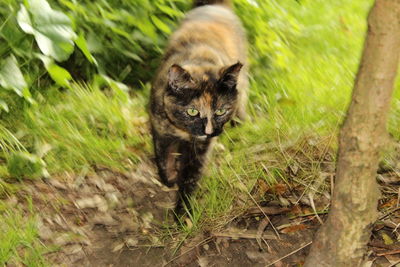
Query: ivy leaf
[
  {"x": 52, "y": 29},
  {"x": 11, "y": 76}
]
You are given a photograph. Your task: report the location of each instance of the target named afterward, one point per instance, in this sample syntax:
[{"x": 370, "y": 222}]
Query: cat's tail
[{"x": 198, "y": 3}]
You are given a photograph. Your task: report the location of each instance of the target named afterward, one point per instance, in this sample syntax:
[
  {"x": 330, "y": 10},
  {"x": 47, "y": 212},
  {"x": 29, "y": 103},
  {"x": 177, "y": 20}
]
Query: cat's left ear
[
  {"x": 229, "y": 76},
  {"x": 179, "y": 79}
]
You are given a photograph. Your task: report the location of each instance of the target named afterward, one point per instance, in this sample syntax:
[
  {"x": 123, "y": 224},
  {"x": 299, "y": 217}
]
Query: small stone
[
  {"x": 109, "y": 188},
  {"x": 165, "y": 205},
  {"x": 63, "y": 239},
  {"x": 45, "y": 232},
  {"x": 57, "y": 184},
  {"x": 118, "y": 246},
  {"x": 104, "y": 219},
  {"x": 72, "y": 249},
  {"x": 147, "y": 219},
  {"x": 131, "y": 242},
  {"x": 112, "y": 199},
  {"x": 203, "y": 261},
  {"x": 92, "y": 202}
]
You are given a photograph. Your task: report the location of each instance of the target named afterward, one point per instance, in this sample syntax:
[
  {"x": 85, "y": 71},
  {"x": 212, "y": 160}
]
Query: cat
[{"x": 200, "y": 85}]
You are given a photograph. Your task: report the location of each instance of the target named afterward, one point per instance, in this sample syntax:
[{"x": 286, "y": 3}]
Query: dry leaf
[
  {"x": 294, "y": 228},
  {"x": 279, "y": 189},
  {"x": 387, "y": 239}
]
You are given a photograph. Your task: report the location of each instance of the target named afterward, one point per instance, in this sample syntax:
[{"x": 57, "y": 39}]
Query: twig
[
  {"x": 325, "y": 211},
  {"x": 310, "y": 196},
  {"x": 190, "y": 249},
  {"x": 394, "y": 264},
  {"x": 396, "y": 251},
  {"x": 106, "y": 169},
  {"x": 291, "y": 253},
  {"x": 255, "y": 202},
  {"x": 254, "y": 211},
  {"x": 244, "y": 235},
  {"x": 388, "y": 213},
  {"x": 260, "y": 230}
]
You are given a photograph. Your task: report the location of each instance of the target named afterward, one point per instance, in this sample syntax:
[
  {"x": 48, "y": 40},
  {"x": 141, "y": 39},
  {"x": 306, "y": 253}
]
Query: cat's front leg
[
  {"x": 192, "y": 160},
  {"x": 166, "y": 152}
]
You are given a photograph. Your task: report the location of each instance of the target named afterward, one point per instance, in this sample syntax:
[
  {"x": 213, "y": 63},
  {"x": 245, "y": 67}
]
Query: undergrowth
[
  {"x": 296, "y": 108},
  {"x": 303, "y": 58},
  {"x": 19, "y": 244}
]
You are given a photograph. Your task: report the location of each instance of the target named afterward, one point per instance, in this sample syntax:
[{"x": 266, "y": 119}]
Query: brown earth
[{"x": 107, "y": 218}]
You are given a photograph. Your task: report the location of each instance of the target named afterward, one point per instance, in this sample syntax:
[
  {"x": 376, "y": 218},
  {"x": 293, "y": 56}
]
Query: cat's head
[{"x": 201, "y": 105}]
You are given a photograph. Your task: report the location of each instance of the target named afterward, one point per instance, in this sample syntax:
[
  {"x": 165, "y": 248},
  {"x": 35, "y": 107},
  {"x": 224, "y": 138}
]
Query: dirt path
[{"x": 106, "y": 218}]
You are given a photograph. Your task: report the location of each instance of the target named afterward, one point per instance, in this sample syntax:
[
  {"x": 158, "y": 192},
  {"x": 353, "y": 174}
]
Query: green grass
[
  {"x": 304, "y": 56},
  {"x": 296, "y": 107},
  {"x": 69, "y": 131},
  {"x": 86, "y": 126},
  {"x": 19, "y": 243}
]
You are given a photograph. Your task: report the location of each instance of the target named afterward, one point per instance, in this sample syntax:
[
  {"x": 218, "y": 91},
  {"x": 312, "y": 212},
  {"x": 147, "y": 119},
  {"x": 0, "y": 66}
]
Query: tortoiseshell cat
[{"x": 200, "y": 85}]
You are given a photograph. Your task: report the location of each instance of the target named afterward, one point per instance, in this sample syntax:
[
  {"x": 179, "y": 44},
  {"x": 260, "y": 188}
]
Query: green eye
[
  {"x": 220, "y": 111},
  {"x": 192, "y": 111}
]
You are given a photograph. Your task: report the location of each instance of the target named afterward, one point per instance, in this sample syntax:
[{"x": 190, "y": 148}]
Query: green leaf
[
  {"x": 81, "y": 43},
  {"x": 27, "y": 95},
  {"x": 60, "y": 75},
  {"x": 11, "y": 76},
  {"x": 120, "y": 89},
  {"x": 52, "y": 29},
  {"x": 24, "y": 20},
  {"x": 3, "y": 105}
]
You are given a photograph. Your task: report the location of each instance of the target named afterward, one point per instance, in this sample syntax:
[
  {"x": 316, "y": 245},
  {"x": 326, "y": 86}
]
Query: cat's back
[{"x": 214, "y": 26}]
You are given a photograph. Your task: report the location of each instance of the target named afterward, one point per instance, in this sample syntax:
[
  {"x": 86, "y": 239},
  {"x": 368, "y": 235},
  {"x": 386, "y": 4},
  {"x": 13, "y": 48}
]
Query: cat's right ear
[{"x": 178, "y": 79}]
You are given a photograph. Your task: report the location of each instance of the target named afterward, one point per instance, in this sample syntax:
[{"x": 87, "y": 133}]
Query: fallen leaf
[
  {"x": 279, "y": 189},
  {"x": 389, "y": 204},
  {"x": 203, "y": 261},
  {"x": 387, "y": 239},
  {"x": 294, "y": 228},
  {"x": 263, "y": 187}
]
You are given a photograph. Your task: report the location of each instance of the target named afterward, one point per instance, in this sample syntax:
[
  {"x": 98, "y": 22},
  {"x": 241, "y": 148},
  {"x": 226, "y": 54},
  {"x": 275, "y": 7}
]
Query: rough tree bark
[{"x": 342, "y": 239}]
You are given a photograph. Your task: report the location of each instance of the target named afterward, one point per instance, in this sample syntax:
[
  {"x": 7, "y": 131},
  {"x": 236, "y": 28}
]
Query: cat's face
[{"x": 201, "y": 107}]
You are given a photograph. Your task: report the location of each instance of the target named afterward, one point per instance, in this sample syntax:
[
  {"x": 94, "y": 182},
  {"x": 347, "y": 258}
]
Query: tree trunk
[{"x": 342, "y": 239}]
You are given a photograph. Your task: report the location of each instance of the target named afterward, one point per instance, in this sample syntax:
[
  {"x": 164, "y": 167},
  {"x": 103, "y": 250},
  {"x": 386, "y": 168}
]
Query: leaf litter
[{"x": 105, "y": 217}]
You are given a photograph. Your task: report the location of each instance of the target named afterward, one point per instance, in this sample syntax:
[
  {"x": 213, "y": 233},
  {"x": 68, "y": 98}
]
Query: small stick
[
  {"x": 190, "y": 249},
  {"x": 388, "y": 213},
  {"x": 244, "y": 236},
  {"x": 255, "y": 202},
  {"x": 310, "y": 196},
  {"x": 396, "y": 251},
  {"x": 394, "y": 264}
]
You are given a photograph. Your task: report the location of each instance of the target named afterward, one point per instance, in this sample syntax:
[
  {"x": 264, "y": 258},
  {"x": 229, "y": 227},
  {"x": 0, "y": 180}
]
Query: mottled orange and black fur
[{"x": 204, "y": 69}]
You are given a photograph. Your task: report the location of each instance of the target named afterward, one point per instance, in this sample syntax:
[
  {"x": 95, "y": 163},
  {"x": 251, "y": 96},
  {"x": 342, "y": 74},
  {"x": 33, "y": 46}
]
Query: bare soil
[{"x": 107, "y": 218}]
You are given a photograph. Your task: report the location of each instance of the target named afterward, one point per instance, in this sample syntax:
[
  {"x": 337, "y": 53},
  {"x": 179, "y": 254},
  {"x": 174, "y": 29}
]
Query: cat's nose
[{"x": 209, "y": 128}]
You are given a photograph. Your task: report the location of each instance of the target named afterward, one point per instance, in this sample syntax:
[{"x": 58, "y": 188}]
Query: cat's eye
[
  {"x": 220, "y": 111},
  {"x": 192, "y": 112}
]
